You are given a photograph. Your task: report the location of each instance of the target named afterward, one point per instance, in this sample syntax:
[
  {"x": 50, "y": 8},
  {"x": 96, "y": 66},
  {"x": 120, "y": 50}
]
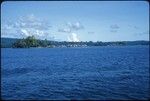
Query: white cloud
[
  {"x": 7, "y": 30},
  {"x": 133, "y": 26},
  {"x": 70, "y": 28},
  {"x": 25, "y": 32},
  {"x": 143, "y": 33},
  {"x": 114, "y": 28},
  {"x": 73, "y": 38},
  {"x": 65, "y": 30},
  {"x": 75, "y": 26},
  {"x": 27, "y": 26},
  {"x": 33, "y": 22}
]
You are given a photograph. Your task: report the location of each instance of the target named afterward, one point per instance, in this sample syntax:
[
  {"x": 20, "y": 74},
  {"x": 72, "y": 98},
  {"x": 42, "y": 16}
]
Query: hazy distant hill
[{"x": 8, "y": 42}]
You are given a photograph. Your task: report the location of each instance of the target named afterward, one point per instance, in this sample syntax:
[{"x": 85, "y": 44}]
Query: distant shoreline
[
  {"x": 74, "y": 47},
  {"x": 31, "y": 42}
]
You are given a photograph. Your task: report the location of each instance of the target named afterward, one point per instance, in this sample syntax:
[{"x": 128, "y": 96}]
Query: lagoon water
[{"x": 97, "y": 73}]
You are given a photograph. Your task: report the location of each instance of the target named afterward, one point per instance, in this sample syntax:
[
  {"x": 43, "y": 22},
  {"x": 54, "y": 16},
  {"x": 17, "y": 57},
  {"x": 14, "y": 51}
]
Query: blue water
[{"x": 97, "y": 73}]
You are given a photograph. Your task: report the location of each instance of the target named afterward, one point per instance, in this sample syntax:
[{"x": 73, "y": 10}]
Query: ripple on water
[{"x": 103, "y": 73}]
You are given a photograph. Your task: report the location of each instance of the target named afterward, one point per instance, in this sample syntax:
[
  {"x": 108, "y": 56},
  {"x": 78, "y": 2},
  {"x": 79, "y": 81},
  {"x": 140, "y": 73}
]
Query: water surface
[{"x": 103, "y": 73}]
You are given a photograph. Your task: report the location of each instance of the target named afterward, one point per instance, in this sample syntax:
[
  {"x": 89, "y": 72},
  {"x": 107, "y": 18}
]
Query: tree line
[{"x": 31, "y": 41}]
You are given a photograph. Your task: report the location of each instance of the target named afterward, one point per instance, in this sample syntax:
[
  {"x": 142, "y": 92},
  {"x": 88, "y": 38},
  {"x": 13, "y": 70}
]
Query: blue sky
[{"x": 76, "y": 20}]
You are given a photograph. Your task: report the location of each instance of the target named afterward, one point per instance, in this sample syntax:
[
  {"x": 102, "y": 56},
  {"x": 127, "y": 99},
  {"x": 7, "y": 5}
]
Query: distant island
[{"x": 31, "y": 41}]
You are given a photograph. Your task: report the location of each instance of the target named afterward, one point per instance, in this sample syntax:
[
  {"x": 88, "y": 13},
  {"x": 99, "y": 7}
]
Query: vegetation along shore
[{"x": 31, "y": 41}]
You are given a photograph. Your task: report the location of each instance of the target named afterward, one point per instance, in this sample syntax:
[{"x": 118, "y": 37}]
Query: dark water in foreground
[{"x": 76, "y": 73}]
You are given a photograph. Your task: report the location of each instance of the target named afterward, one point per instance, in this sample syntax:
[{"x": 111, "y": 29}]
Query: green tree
[{"x": 31, "y": 41}]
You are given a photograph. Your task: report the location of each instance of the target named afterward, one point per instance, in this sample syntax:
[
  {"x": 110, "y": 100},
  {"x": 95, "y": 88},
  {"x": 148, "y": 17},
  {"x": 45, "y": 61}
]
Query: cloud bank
[
  {"x": 65, "y": 30},
  {"x": 27, "y": 26},
  {"x": 75, "y": 26},
  {"x": 70, "y": 28}
]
